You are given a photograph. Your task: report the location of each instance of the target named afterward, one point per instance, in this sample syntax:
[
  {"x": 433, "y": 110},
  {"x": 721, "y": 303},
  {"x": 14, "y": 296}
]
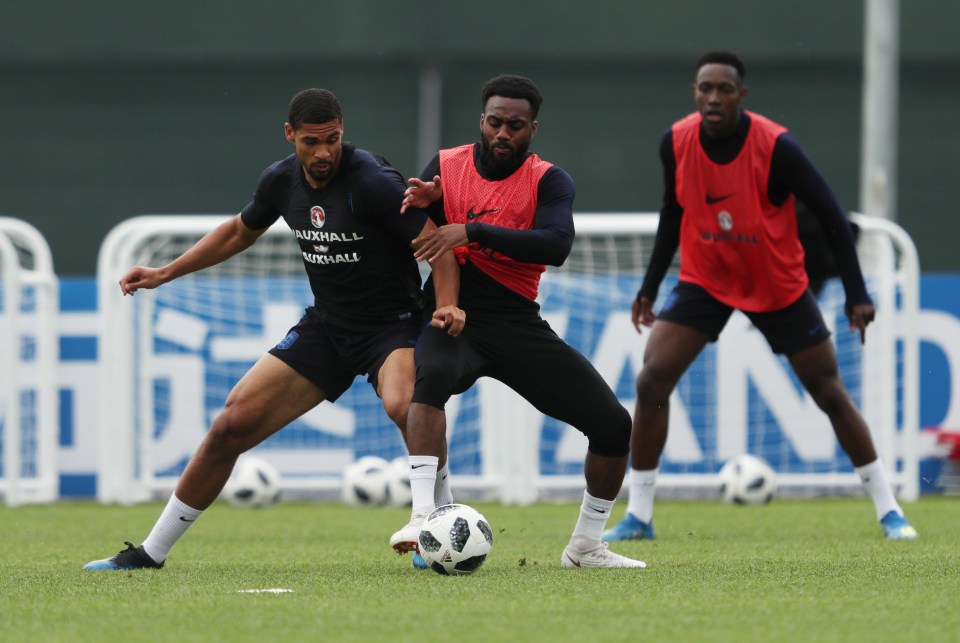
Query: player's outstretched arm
[
  {"x": 218, "y": 245},
  {"x": 421, "y": 194},
  {"x": 642, "y": 313},
  {"x": 140, "y": 277}
]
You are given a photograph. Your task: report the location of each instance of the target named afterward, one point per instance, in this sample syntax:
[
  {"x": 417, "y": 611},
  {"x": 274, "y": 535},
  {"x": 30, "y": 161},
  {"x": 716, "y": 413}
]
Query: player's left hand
[
  {"x": 860, "y": 315},
  {"x": 449, "y": 317},
  {"x": 430, "y": 245},
  {"x": 420, "y": 194}
]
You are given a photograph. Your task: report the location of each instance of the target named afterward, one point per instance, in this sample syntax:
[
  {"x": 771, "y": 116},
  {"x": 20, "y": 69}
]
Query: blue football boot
[
  {"x": 896, "y": 527},
  {"x": 630, "y": 528},
  {"x": 419, "y": 562},
  {"x": 129, "y": 559}
]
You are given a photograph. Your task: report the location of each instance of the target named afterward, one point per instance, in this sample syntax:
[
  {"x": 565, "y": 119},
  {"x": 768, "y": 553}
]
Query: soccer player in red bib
[
  {"x": 731, "y": 178},
  {"x": 507, "y": 214}
]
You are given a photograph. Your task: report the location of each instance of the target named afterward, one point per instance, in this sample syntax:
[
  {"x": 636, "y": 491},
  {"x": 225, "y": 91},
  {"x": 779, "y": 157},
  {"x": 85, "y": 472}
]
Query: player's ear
[
  {"x": 481, "y": 122},
  {"x": 289, "y": 132},
  {"x": 533, "y": 129}
]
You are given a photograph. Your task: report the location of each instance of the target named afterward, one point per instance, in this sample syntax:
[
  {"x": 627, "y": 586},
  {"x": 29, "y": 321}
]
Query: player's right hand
[
  {"x": 139, "y": 277},
  {"x": 860, "y": 316},
  {"x": 642, "y": 313},
  {"x": 449, "y": 317}
]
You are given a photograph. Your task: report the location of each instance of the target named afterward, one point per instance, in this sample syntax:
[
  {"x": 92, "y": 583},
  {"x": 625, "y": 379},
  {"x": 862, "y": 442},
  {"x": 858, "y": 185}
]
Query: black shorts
[
  {"x": 331, "y": 356},
  {"x": 788, "y": 330},
  {"x": 524, "y": 353}
]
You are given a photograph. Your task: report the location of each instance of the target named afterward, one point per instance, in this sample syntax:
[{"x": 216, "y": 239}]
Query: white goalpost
[
  {"x": 28, "y": 353},
  {"x": 171, "y": 356}
]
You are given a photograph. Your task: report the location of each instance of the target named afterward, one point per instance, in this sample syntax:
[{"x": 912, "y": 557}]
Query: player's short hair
[
  {"x": 314, "y": 106},
  {"x": 723, "y": 57},
  {"x": 512, "y": 87}
]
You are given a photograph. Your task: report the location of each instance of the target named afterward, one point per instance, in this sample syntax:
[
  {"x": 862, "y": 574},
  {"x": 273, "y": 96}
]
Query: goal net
[
  {"x": 28, "y": 352},
  {"x": 175, "y": 352}
]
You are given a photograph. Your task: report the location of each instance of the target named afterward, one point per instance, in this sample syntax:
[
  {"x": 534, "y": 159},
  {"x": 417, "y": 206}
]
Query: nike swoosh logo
[
  {"x": 716, "y": 199},
  {"x": 813, "y": 331},
  {"x": 575, "y": 563},
  {"x": 471, "y": 215},
  {"x": 185, "y": 520},
  {"x": 417, "y": 466}
]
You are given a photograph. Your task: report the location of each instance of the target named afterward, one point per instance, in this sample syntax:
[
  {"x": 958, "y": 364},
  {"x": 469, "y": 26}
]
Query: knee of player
[
  {"x": 397, "y": 409},
  {"x": 652, "y": 388},
  {"x": 610, "y": 434},
  {"x": 831, "y": 397},
  {"x": 433, "y": 386},
  {"x": 228, "y": 433}
]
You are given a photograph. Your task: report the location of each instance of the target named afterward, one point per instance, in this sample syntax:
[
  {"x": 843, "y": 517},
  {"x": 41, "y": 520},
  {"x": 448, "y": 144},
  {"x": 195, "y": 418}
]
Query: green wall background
[{"x": 112, "y": 109}]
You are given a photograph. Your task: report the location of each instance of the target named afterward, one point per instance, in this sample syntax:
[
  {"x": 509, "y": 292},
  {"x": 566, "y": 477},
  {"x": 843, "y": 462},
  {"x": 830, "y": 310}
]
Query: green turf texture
[{"x": 810, "y": 570}]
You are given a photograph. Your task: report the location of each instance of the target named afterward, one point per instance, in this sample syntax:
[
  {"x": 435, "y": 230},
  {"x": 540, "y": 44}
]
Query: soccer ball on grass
[
  {"x": 398, "y": 483},
  {"x": 365, "y": 482},
  {"x": 254, "y": 483},
  {"x": 747, "y": 480},
  {"x": 455, "y": 540}
]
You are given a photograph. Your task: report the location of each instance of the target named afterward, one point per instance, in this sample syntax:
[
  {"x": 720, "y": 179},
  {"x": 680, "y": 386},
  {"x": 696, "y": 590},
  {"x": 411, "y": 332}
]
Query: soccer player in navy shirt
[
  {"x": 507, "y": 214},
  {"x": 343, "y": 205},
  {"x": 731, "y": 179}
]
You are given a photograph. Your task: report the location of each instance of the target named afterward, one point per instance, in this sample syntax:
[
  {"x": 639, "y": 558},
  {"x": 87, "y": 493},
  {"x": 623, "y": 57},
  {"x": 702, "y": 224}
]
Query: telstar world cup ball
[
  {"x": 254, "y": 483},
  {"x": 455, "y": 540},
  {"x": 398, "y": 483},
  {"x": 747, "y": 480},
  {"x": 365, "y": 482}
]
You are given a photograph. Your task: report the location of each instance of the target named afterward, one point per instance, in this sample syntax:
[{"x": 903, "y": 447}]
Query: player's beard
[
  {"x": 501, "y": 167},
  {"x": 322, "y": 173}
]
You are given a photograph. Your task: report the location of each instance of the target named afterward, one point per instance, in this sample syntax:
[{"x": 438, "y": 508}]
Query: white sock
[
  {"x": 172, "y": 524},
  {"x": 874, "y": 479},
  {"x": 442, "y": 494},
  {"x": 423, "y": 477},
  {"x": 593, "y": 516},
  {"x": 642, "y": 486}
]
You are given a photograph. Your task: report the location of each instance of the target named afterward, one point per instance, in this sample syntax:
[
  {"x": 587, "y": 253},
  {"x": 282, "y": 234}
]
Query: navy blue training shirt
[{"x": 353, "y": 239}]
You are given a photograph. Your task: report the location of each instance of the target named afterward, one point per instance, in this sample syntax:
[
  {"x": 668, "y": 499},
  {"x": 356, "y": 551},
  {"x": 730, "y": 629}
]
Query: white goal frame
[
  {"x": 28, "y": 365},
  {"x": 509, "y": 437}
]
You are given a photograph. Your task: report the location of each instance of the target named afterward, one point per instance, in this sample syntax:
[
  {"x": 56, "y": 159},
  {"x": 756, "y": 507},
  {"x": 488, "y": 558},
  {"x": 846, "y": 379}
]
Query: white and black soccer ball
[
  {"x": 365, "y": 482},
  {"x": 747, "y": 480},
  {"x": 254, "y": 483},
  {"x": 398, "y": 483},
  {"x": 455, "y": 540}
]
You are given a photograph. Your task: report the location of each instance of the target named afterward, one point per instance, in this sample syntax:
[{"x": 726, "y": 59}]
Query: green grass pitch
[{"x": 793, "y": 570}]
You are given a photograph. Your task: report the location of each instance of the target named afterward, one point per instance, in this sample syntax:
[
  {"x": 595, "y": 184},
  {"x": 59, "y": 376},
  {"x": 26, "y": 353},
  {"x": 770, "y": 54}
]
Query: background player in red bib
[
  {"x": 731, "y": 180},
  {"x": 507, "y": 214}
]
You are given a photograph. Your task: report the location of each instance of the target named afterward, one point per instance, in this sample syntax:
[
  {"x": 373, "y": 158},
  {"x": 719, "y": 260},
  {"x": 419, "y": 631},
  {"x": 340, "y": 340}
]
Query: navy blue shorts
[
  {"x": 788, "y": 330},
  {"x": 331, "y": 356}
]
